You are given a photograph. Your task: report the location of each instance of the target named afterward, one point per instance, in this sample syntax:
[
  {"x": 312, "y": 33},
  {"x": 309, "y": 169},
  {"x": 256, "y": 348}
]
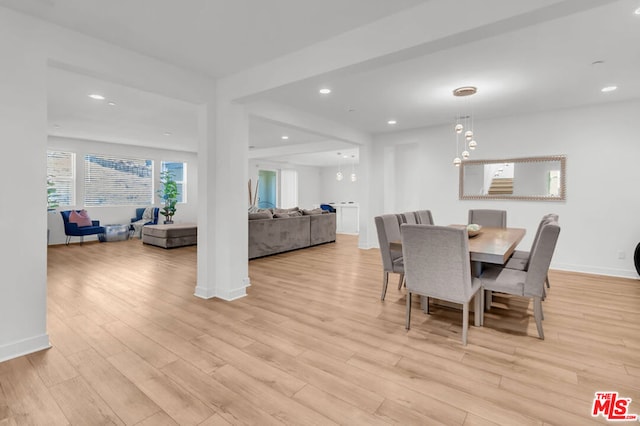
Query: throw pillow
[
  {"x": 80, "y": 218},
  {"x": 281, "y": 215},
  {"x": 260, "y": 215},
  {"x": 289, "y": 210}
]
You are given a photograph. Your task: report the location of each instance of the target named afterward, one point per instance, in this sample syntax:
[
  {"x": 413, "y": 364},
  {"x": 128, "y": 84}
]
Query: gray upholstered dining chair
[
  {"x": 520, "y": 258},
  {"x": 408, "y": 217},
  {"x": 529, "y": 283},
  {"x": 437, "y": 264},
  {"x": 388, "y": 229},
  {"x": 488, "y": 218},
  {"x": 424, "y": 217}
]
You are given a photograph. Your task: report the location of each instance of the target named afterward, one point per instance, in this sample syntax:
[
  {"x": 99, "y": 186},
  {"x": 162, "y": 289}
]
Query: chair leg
[
  {"x": 385, "y": 281},
  {"x": 67, "y": 240},
  {"x": 548, "y": 283},
  {"x": 81, "y": 239},
  {"x": 488, "y": 298},
  {"x": 408, "y": 310},
  {"x": 465, "y": 322},
  {"x": 401, "y": 281},
  {"x": 537, "y": 314}
]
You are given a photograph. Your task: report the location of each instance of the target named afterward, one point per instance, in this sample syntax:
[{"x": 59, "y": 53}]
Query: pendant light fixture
[
  {"x": 464, "y": 122},
  {"x": 339, "y": 175},
  {"x": 353, "y": 169}
]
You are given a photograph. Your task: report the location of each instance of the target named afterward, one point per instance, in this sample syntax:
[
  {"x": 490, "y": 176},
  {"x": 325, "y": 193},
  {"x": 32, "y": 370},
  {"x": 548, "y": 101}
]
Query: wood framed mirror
[{"x": 529, "y": 178}]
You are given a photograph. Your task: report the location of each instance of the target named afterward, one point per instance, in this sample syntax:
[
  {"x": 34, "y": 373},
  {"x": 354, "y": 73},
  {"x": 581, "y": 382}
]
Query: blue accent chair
[
  {"x": 140, "y": 212},
  {"x": 328, "y": 208},
  {"x": 73, "y": 230}
]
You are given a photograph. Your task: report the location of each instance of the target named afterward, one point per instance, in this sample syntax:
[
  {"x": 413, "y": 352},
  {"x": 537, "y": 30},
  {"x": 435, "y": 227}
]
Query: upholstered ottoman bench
[{"x": 170, "y": 236}]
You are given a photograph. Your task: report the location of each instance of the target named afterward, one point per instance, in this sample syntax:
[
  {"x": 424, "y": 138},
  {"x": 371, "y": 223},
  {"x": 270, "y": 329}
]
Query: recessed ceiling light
[
  {"x": 345, "y": 156},
  {"x": 97, "y": 97},
  {"x": 111, "y": 103},
  {"x": 325, "y": 91},
  {"x": 392, "y": 122},
  {"x": 56, "y": 126},
  {"x": 637, "y": 11},
  {"x": 609, "y": 89},
  {"x": 599, "y": 62},
  {"x": 167, "y": 133},
  {"x": 285, "y": 137}
]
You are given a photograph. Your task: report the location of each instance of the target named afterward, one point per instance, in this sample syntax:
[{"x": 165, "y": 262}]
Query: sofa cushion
[
  {"x": 283, "y": 215},
  {"x": 312, "y": 211}
]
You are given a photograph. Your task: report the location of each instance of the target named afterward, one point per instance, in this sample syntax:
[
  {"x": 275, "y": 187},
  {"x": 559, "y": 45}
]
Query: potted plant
[
  {"x": 52, "y": 202},
  {"x": 169, "y": 195}
]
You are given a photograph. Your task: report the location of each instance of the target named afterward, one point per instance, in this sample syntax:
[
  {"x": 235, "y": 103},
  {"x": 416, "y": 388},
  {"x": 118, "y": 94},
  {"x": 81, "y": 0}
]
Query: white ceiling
[
  {"x": 212, "y": 37},
  {"x": 541, "y": 66}
]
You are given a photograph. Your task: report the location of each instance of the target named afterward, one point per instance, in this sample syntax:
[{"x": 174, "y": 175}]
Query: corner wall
[{"x": 599, "y": 219}]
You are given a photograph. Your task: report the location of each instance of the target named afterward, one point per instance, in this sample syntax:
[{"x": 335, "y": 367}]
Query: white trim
[
  {"x": 24, "y": 347},
  {"x": 595, "y": 270},
  {"x": 205, "y": 293}
]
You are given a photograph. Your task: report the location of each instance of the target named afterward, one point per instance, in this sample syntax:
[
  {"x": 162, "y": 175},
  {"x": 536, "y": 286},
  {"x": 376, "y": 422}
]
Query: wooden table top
[
  {"x": 491, "y": 245},
  {"x": 495, "y": 245}
]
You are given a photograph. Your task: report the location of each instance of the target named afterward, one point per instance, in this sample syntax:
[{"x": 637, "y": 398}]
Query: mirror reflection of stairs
[{"x": 501, "y": 186}]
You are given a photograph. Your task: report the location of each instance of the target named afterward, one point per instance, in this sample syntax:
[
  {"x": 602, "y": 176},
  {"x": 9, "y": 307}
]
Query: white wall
[
  {"x": 186, "y": 212},
  {"x": 309, "y": 183},
  {"x": 599, "y": 217}
]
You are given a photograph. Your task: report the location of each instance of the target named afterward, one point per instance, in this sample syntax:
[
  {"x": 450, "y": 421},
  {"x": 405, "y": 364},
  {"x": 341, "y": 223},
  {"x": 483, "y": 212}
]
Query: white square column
[{"x": 222, "y": 201}]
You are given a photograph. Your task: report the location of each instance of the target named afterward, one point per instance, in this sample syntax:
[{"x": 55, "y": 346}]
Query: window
[
  {"x": 288, "y": 188},
  {"x": 179, "y": 172},
  {"x": 61, "y": 178},
  {"x": 112, "y": 181}
]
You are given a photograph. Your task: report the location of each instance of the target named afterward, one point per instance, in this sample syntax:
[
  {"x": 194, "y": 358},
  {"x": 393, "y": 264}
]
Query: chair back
[
  {"x": 436, "y": 261},
  {"x": 551, "y": 217},
  {"x": 388, "y": 229},
  {"x": 140, "y": 212},
  {"x": 540, "y": 259},
  {"x": 488, "y": 218},
  {"x": 328, "y": 208},
  {"x": 408, "y": 217},
  {"x": 424, "y": 217}
]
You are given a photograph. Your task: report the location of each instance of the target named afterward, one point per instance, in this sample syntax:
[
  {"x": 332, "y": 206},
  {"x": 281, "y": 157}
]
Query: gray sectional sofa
[{"x": 272, "y": 232}]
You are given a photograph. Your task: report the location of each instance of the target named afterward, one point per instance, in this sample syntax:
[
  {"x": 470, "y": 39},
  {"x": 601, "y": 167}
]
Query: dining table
[{"x": 488, "y": 245}]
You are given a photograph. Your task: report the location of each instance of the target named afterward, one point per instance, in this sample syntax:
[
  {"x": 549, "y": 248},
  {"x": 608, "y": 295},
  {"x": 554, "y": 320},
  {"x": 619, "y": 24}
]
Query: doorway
[{"x": 267, "y": 189}]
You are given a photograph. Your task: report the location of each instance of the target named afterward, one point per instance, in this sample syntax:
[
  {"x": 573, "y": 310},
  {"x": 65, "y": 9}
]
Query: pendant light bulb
[
  {"x": 472, "y": 144},
  {"x": 459, "y": 128},
  {"x": 468, "y": 135},
  {"x": 465, "y": 154},
  {"x": 339, "y": 176},
  {"x": 457, "y": 161},
  {"x": 354, "y": 177}
]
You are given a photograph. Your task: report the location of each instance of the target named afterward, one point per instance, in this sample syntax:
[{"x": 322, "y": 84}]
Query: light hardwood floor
[{"x": 311, "y": 344}]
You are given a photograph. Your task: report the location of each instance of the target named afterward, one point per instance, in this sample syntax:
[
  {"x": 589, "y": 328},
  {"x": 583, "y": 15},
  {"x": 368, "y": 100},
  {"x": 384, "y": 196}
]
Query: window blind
[{"x": 114, "y": 181}]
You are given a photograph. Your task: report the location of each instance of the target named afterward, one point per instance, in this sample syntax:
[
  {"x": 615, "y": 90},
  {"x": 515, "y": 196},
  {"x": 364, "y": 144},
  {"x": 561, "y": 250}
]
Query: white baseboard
[
  {"x": 24, "y": 347},
  {"x": 233, "y": 294},
  {"x": 596, "y": 270}
]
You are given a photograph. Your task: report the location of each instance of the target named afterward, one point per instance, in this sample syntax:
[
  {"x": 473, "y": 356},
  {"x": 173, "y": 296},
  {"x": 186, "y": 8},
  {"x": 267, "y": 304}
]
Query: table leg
[{"x": 476, "y": 270}]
